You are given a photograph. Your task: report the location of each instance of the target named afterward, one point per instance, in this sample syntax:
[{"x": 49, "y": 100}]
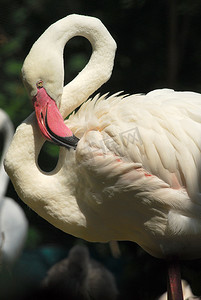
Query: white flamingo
[
  {"x": 135, "y": 173},
  {"x": 13, "y": 223}
]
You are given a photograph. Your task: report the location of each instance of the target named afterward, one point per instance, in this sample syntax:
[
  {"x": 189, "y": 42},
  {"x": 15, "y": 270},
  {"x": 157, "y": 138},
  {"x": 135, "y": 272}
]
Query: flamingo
[
  {"x": 129, "y": 165},
  {"x": 13, "y": 222}
]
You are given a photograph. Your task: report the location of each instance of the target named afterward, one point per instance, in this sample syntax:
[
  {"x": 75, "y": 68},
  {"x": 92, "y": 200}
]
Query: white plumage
[
  {"x": 13, "y": 223},
  {"x": 135, "y": 174}
]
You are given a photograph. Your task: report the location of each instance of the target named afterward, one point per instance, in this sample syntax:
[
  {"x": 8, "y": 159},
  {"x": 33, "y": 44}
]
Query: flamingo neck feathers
[
  {"x": 99, "y": 68},
  {"x": 51, "y": 194},
  {"x": 45, "y": 61}
]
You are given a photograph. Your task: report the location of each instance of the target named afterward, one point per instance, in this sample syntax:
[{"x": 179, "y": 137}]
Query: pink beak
[{"x": 51, "y": 122}]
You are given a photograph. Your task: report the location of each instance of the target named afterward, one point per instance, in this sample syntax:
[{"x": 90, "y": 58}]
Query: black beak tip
[
  {"x": 72, "y": 141},
  {"x": 67, "y": 142}
]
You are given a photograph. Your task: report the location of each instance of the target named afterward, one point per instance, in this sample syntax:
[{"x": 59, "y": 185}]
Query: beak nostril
[{"x": 39, "y": 84}]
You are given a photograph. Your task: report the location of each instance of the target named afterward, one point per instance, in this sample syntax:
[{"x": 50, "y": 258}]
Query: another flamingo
[{"x": 13, "y": 222}]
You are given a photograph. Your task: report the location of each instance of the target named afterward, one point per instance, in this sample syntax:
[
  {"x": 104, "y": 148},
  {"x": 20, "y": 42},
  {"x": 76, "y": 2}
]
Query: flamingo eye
[{"x": 39, "y": 84}]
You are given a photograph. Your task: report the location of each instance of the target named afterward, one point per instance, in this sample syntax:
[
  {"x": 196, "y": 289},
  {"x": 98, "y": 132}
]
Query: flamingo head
[{"x": 43, "y": 79}]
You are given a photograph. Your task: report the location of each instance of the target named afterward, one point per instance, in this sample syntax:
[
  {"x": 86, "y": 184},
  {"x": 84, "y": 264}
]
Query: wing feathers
[{"x": 160, "y": 130}]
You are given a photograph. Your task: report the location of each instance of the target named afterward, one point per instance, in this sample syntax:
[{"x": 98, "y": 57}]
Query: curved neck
[
  {"x": 44, "y": 192},
  {"x": 99, "y": 68},
  {"x": 97, "y": 71},
  {"x": 45, "y": 62}
]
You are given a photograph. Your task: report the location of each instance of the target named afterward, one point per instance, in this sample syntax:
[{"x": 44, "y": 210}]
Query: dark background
[{"x": 159, "y": 45}]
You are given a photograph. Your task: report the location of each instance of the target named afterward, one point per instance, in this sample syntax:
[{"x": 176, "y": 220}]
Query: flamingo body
[{"x": 135, "y": 174}]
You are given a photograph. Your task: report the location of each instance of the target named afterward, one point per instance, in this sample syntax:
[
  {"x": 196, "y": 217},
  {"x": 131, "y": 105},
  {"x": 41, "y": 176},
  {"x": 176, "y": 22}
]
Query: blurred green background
[{"x": 159, "y": 45}]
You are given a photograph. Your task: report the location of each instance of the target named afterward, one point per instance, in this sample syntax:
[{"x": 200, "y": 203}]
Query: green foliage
[{"x": 34, "y": 237}]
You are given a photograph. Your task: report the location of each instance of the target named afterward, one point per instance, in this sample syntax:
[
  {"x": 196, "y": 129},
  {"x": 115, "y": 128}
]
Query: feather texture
[{"x": 135, "y": 174}]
